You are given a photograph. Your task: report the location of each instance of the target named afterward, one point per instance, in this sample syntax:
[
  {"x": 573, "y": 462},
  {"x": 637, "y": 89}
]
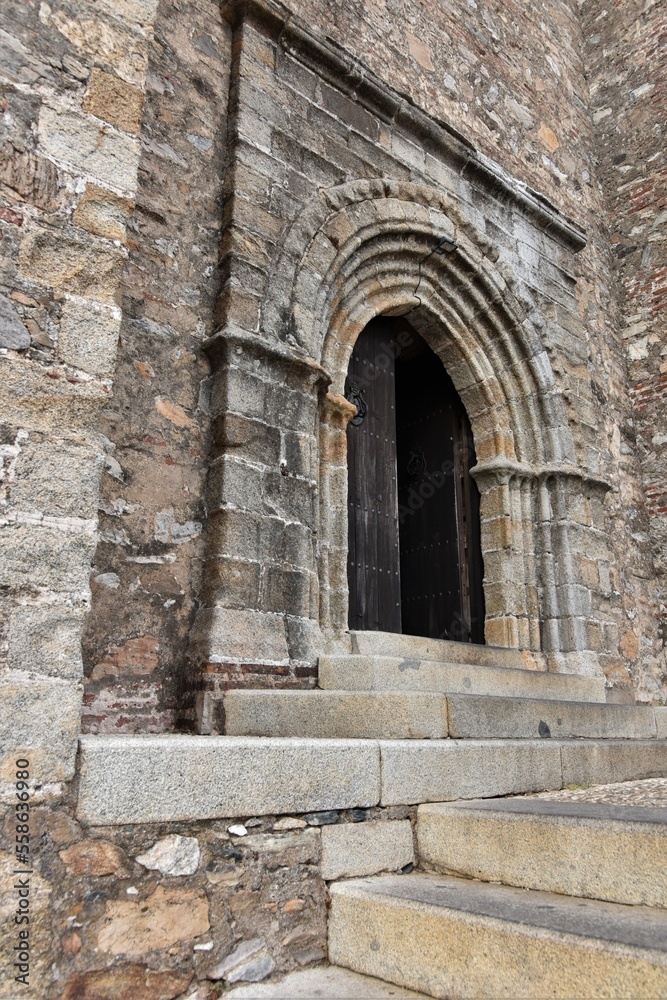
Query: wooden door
[
  {"x": 373, "y": 552},
  {"x": 414, "y": 562},
  {"x": 441, "y": 579}
]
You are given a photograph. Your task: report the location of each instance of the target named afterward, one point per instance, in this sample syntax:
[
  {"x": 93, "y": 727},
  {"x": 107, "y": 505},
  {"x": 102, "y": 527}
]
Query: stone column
[
  {"x": 335, "y": 415},
  {"x": 574, "y": 560},
  {"x": 260, "y": 615},
  {"x": 507, "y": 492}
]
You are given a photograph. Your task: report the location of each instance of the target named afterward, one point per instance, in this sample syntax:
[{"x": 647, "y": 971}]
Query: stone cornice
[
  {"x": 333, "y": 63},
  {"x": 220, "y": 345}
]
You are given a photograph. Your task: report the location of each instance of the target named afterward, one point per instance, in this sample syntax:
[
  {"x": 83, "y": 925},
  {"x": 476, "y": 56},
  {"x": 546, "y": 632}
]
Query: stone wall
[
  {"x": 146, "y": 573},
  {"x": 138, "y": 286},
  {"x": 72, "y": 104},
  {"x": 75, "y": 74},
  {"x": 158, "y": 912},
  {"x": 624, "y": 49}
]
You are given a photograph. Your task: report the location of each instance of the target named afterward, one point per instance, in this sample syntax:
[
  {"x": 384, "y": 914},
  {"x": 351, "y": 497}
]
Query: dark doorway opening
[{"x": 414, "y": 554}]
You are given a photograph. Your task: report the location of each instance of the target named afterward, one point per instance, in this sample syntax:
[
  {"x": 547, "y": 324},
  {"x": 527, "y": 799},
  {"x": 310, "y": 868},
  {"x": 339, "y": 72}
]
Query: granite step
[
  {"x": 416, "y": 771},
  {"x": 427, "y": 715},
  {"x": 321, "y": 982},
  {"x": 440, "y": 650},
  {"x": 184, "y": 777},
  {"x": 395, "y": 673},
  {"x": 452, "y": 938},
  {"x": 599, "y": 851}
]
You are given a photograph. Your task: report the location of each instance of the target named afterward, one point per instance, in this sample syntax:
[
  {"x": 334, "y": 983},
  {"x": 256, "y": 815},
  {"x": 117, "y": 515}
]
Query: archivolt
[{"x": 364, "y": 249}]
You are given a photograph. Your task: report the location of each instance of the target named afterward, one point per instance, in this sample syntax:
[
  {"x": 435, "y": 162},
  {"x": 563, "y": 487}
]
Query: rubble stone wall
[
  {"x": 164, "y": 911},
  {"x": 625, "y": 54}
]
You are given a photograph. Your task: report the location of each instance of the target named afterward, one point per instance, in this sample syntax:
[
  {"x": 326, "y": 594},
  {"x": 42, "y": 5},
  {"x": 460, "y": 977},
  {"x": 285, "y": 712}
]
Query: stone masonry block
[
  {"x": 243, "y": 635},
  {"x": 416, "y": 771},
  {"x": 36, "y": 402},
  {"x": 84, "y": 145},
  {"x": 46, "y": 640},
  {"x": 613, "y": 760},
  {"x": 206, "y": 777},
  {"x": 232, "y": 582},
  {"x": 287, "y": 590},
  {"x": 56, "y": 479},
  {"x": 350, "y": 849},
  {"x": 45, "y": 557},
  {"x": 114, "y": 101},
  {"x": 89, "y": 336},
  {"x": 39, "y": 721},
  {"x": 661, "y": 721},
  {"x": 82, "y": 268},
  {"x": 103, "y": 213}
]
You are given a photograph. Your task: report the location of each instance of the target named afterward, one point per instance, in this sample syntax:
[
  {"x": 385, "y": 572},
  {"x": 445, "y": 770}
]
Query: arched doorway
[{"x": 414, "y": 554}]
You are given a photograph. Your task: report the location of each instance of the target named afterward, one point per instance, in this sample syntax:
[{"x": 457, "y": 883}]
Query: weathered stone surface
[
  {"x": 420, "y": 771},
  {"x": 661, "y": 722},
  {"x": 323, "y": 981},
  {"x": 46, "y": 640},
  {"x": 13, "y": 334},
  {"x": 184, "y": 777},
  {"x": 248, "y": 635},
  {"x": 392, "y": 673},
  {"x": 173, "y": 855},
  {"x": 89, "y": 336},
  {"x": 480, "y": 718},
  {"x": 61, "y": 481},
  {"x": 109, "y": 41},
  {"x": 41, "y": 943},
  {"x": 72, "y": 265},
  {"x": 600, "y": 762},
  {"x": 297, "y": 847},
  {"x": 350, "y": 849},
  {"x": 33, "y": 177},
  {"x": 40, "y": 721},
  {"x": 38, "y": 400},
  {"x": 421, "y": 931},
  {"x": 442, "y": 650},
  {"x": 575, "y": 849},
  {"x": 248, "y": 962},
  {"x": 136, "y": 981},
  {"x": 289, "y": 823},
  {"x": 103, "y": 213},
  {"x": 159, "y": 921},
  {"x": 58, "y": 560},
  {"x": 95, "y": 857},
  {"x": 354, "y": 715},
  {"x": 114, "y": 100}
]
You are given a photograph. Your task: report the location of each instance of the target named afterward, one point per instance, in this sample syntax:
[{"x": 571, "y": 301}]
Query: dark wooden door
[
  {"x": 373, "y": 552},
  {"x": 414, "y": 563},
  {"x": 441, "y": 592}
]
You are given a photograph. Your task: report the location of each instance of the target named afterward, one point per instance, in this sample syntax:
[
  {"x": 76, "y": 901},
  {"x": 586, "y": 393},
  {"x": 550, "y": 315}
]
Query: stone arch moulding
[{"x": 364, "y": 249}]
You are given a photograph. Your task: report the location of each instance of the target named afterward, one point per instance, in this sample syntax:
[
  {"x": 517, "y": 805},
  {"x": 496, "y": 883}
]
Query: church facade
[{"x": 316, "y": 319}]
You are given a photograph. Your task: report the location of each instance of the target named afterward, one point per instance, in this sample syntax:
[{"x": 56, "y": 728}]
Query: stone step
[
  {"x": 395, "y": 673},
  {"x": 183, "y": 777},
  {"x": 575, "y": 848},
  {"x": 452, "y": 937},
  {"x": 439, "y": 650},
  {"x": 416, "y": 771},
  {"x": 427, "y": 715},
  {"x": 321, "y": 982}
]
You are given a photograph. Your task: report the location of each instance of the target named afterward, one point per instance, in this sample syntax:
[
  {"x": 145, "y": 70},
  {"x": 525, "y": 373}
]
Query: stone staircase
[{"x": 517, "y": 897}]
